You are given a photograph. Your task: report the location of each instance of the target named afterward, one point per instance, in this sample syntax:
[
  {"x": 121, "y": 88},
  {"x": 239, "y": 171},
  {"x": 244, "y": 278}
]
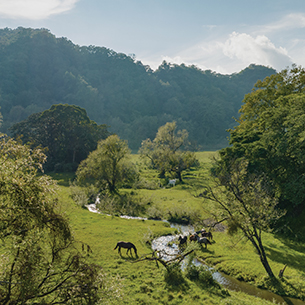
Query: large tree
[
  {"x": 165, "y": 151},
  {"x": 108, "y": 165},
  {"x": 270, "y": 134},
  {"x": 65, "y": 130},
  {"x": 40, "y": 263},
  {"x": 246, "y": 201}
]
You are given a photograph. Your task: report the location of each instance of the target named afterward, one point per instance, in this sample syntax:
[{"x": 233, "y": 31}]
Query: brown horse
[
  {"x": 193, "y": 237},
  {"x": 126, "y": 245}
]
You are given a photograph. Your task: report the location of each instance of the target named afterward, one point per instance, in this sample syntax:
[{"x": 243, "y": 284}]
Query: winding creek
[{"x": 228, "y": 282}]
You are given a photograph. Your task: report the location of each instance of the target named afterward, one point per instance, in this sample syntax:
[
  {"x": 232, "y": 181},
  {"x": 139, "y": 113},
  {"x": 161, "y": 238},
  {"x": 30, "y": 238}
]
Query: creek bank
[{"x": 228, "y": 282}]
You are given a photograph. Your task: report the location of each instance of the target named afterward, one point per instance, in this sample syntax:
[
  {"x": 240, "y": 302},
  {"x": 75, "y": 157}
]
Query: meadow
[{"x": 143, "y": 282}]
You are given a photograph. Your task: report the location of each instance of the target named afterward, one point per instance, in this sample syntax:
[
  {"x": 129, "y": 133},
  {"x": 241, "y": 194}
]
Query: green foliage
[
  {"x": 270, "y": 135},
  {"x": 65, "y": 131},
  {"x": 200, "y": 274},
  {"x": 164, "y": 152},
  {"x": 246, "y": 200},
  {"x": 83, "y": 196},
  {"x": 123, "y": 204},
  {"x": 173, "y": 275},
  {"x": 39, "y": 259},
  {"x": 108, "y": 165}
]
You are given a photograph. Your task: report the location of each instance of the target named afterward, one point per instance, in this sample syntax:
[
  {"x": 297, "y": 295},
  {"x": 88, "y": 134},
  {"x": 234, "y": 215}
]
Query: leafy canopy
[
  {"x": 65, "y": 130},
  {"x": 165, "y": 153},
  {"x": 270, "y": 134},
  {"x": 108, "y": 165},
  {"x": 39, "y": 261}
]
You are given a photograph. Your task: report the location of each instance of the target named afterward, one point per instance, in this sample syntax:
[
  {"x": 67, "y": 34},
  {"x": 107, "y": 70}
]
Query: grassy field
[{"x": 142, "y": 282}]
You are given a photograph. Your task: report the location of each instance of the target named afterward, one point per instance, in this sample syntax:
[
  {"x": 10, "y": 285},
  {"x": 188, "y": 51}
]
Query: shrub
[
  {"x": 123, "y": 204},
  {"x": 200, "y": 274},
  {"x": 173, "y": 275},
  {"x": 83, "y": 196},
  {"x": 142, "y": 183}
]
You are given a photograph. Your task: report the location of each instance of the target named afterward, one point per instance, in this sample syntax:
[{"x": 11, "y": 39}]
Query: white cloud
[
  {"x": 288, "y": 22},
  {"x": 259, "y": 50},
  {"x": 34, "y": 9},
  {"x": 231, "y": 54}
]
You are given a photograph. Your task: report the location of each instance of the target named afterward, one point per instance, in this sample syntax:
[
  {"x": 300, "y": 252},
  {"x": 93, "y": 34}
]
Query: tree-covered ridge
[{"x": 38, "y": 70}]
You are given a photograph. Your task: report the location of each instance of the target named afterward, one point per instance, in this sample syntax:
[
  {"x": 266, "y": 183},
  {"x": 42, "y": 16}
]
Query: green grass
[{"x": 143, "y": 282}]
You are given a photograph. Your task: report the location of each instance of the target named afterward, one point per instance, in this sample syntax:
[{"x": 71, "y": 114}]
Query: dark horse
[
  {"x": 207, "y": 234},
  {"x": 182, "y": 240},
  {"x": 126, "y": 245},
  {"x": 203, "y": 240}
]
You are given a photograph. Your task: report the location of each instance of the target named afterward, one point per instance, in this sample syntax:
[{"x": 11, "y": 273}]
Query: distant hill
[{"x": 38, "y": 70}]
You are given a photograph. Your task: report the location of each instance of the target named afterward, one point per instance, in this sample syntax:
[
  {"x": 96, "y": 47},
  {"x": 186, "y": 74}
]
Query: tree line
[{"x": 38, "y": 70}]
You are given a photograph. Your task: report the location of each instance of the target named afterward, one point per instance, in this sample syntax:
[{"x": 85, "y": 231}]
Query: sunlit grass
[{"x": 144, "y": 281}]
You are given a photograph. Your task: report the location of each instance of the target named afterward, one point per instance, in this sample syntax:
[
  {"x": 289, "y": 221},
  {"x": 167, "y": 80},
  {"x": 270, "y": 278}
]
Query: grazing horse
[
  {"x": 193, "y": 237},
  {"x": 207, "y": 234},
  {"x": 203, "y": 240},
  {"x": 126, "y": 245},
  {"x": 182, "y": 240}
]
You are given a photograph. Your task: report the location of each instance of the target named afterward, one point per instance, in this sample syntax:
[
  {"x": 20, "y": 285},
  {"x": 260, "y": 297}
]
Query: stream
[{"x": 228, "y": 282}]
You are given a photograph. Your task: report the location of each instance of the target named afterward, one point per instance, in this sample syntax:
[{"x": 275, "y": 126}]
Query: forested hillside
[{"x": 38, "y": 70}]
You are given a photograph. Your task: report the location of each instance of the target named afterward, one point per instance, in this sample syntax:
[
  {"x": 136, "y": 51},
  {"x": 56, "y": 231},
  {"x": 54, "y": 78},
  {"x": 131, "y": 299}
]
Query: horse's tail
[
  {"x": 135, "y": 250},
  {"x": 209, "y": 242}
]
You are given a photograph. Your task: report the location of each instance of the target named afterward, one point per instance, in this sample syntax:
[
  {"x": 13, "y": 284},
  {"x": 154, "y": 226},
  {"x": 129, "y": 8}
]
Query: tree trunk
[
  {"x": 179, "y": 176},
  {"x": 257, "y": 243},
  {"x": 264, "y": 259}
]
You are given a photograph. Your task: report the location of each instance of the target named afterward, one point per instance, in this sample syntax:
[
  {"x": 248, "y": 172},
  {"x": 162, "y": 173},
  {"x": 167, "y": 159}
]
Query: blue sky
[{"x": 221, "y": 35}]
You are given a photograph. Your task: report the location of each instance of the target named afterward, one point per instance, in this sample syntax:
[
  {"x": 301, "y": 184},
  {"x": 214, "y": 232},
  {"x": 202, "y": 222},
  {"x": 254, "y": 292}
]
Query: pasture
[{"x": 142, "y": 282}]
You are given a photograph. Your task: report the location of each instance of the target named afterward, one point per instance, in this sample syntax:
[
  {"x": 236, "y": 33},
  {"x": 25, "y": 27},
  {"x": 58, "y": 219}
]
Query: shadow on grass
[
  {"x": 294, "y": 259},
  {"x": 283, "y": 288}
]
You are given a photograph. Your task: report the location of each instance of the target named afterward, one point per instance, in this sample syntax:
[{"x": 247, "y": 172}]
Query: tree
[
  {"x": 270, "y": 134},
  {"x": 40, "y": 263},
  {"x": 246, "y": 201},
  {"x": 164, "y": 152},
  {"x": 108, "y": 165},
  {"x": 65, "y": 130}
]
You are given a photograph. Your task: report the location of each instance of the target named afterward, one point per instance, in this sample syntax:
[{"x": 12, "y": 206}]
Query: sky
[{"x": 224, "y": 36}]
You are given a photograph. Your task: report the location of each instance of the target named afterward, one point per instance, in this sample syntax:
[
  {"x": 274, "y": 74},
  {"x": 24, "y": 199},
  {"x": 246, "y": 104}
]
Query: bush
[
  {"x": 200, "y": 274},
  {"x": 123, "y": 204},
  {"x": 182, "y": 216},
  {"x": 142, "y": 183},
  {"x": 173, "y": 275},
  {"x": 83, "y": 196},
  {"x": 154, "y": 213}
]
